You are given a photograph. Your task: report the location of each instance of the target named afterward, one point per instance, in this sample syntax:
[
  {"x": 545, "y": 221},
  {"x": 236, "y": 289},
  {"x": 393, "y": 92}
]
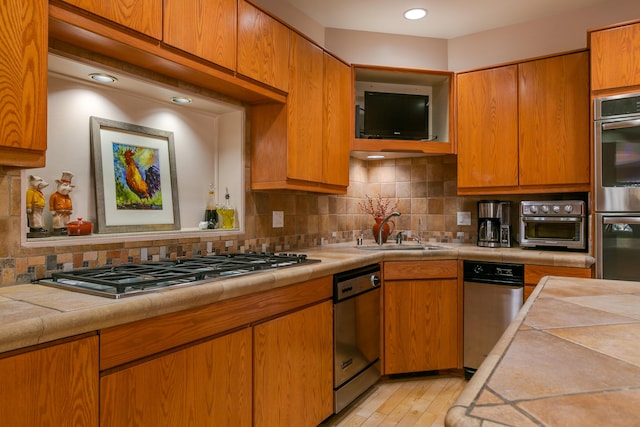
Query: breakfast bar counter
[{"x": 570, "y": 358}]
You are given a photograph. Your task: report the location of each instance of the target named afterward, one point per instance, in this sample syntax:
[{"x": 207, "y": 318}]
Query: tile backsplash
[{"x": 425, "y": 188}]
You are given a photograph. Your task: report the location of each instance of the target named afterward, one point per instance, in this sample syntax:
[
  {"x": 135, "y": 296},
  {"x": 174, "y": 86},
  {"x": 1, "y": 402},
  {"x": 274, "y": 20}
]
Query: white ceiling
[{"x": 446, "y": 19}]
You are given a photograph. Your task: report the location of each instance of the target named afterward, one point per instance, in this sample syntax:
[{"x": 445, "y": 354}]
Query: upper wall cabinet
[
  {"x": 488, "y": 128},
  {"x": 205, "y": 28},
  {"x": 303, "y": 145},
  {"x": 615, "y": 57},
  {"x": 23, "y": 83},
  {"x": 263, "y": 47},
  {"x": 144, "y": 16},
  {"x": 435, "y": 121},
  {"x": 336, "y": 121},
  {"x": 524, "y": 128}
]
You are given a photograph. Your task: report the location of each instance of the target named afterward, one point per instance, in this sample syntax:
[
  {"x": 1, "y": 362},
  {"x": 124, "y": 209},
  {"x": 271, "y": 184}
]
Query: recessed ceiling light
[
  {"x": 181, "y": 100},
  {"x": 103, "y": 78},
  {"x": 416, "y": 13}
]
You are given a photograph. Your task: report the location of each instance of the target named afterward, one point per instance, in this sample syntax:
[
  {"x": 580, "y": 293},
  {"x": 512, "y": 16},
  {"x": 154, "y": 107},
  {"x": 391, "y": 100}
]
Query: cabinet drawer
[
  {"x": 533, "y": 273},
  {"x": 407, "y": 270}
]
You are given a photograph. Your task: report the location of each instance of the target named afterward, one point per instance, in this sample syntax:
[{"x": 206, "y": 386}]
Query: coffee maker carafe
[{"x": 494, "y": 229}]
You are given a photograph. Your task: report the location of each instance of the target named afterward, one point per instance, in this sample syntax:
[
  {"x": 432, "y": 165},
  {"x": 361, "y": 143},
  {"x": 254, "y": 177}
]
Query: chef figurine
[
  {"x": 60, "y": 203},
  {"x": 35, "y": 207}
]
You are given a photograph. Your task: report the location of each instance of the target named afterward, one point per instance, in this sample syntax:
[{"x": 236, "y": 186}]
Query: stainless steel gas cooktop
[{"x": 133, "y": 279}]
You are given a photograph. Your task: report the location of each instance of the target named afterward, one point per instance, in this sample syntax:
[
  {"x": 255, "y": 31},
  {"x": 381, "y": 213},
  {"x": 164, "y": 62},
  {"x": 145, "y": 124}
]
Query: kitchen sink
[{"x": 398, "y": 247}]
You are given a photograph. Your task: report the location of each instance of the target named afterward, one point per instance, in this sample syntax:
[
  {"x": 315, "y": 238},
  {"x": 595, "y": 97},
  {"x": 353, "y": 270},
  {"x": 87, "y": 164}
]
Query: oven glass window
[
  {"x": 621, "y": 157},
  {"x": 552, "y": 230},
  {"x": 621, "y": 251}
]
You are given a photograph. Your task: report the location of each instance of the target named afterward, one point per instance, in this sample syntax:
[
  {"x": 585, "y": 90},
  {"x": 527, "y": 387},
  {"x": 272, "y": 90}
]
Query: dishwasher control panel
[{"x": 493, "y": 272}]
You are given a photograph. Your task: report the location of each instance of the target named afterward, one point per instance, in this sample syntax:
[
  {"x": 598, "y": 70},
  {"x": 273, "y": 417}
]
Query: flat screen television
[{"x": 396, "y": 116}]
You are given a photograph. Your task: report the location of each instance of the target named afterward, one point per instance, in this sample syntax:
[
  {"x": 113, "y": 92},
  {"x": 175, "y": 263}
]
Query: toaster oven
[{"x": 559, "y": 224}]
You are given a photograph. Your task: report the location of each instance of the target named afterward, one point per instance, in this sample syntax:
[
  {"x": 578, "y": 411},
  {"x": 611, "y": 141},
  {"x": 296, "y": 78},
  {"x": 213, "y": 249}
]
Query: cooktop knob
[
  {"x": 568, "y": 208},
  {"x": 545, "y": 208},
  {"x": 534, "y": 209},
  {"x": 556, "y": 209}
]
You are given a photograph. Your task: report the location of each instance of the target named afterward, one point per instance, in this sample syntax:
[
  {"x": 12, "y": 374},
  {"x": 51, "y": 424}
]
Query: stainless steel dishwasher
[
  {"x": 493, "y": 295},
  {"x": 356, "y": 333}
]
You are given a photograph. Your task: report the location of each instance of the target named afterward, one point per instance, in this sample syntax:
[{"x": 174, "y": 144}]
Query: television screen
[{"x": 396, "y": 116}]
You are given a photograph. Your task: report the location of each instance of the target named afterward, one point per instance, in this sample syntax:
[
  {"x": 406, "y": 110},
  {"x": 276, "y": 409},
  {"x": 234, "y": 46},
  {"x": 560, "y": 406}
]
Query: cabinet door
[
  {"x": 205, "y": 28},
  {"x": 305, "y": 111},
  {"x": 144, "y": 16},
  {"x": 554, "y": 121},
  {"x": 205, "y": 384},
  {"x": 420, "y": 325},
  {"x": 488, "y": 128},
  {"x": 615, "y": 57},
  {"x": 263, "y": 47},
  {"x": 293, "y": 363},
  {"x": 54, "y": 386},
  {"x": 23, "y": 83},
  {"x": 337, "y": 121}
]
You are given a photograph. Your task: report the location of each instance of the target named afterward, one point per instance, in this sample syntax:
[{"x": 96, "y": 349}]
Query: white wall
[
  {"x": 196, "y": 136},
  {"x": 537, "y": 38},
  {"x": 367, "y": 48}
]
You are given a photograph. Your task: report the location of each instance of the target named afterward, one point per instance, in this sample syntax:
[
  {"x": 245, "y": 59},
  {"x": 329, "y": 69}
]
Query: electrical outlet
[
  {"x": 278, "y": 219},
  {"x": 464, "y": 218}
]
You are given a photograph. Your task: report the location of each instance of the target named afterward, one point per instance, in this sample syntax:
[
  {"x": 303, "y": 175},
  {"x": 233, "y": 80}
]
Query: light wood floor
[{"x": 406, "y": 402}]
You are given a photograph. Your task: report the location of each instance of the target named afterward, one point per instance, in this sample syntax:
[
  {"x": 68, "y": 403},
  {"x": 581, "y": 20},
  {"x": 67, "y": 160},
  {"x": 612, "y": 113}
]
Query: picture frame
[{"x": 135, "y": 177}]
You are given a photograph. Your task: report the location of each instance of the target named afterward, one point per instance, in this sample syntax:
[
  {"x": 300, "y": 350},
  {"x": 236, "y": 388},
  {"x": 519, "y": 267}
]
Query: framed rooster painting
[{"x": 135, "y": 177}]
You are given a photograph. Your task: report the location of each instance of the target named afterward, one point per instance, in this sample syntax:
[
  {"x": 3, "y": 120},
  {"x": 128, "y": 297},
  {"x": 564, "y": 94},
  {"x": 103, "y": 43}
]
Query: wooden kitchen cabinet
[
  {"x": 524, "y": 128},
  {"x": 208, "y": 383},
  {"x": 23, "y": 83},
  {"x": 554, "y": 122},
  {"x": 615, "y": 56},
  {"x": 143, "y": 16},
  {"x": 488, "y": 128},
  {"x": 293, "y": 368},
  {"x": 263, "y": 47},
  {"x": 54, "y": 385},
  {"x": 421, "y": 304},
  {"x": 336, "y": 121},
  {"x": 303, "y": 145},
  {"x": 205, "y": 28},
  {"x": 533, "y": 274}
]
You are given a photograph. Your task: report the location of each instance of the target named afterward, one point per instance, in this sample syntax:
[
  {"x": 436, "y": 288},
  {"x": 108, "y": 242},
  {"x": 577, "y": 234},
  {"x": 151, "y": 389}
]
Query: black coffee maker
[{"x": 494, "y": 227}]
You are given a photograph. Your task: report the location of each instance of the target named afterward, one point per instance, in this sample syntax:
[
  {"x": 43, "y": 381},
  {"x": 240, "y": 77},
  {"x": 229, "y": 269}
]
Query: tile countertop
[
  {"x": 570, "y": 358},
  {"x": 33, "y": 314}
]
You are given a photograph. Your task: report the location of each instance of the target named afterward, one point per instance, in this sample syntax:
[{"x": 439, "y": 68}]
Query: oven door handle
[
  {"x": 621, "y": 220},
  {"x": 621, "y": 125}
]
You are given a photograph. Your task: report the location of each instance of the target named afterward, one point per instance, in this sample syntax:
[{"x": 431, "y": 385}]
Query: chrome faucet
[{"x": 382, "y": 224}]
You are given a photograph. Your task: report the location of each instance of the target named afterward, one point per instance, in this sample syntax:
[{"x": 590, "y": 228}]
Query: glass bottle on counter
[
  {"x": 211, "y": 211},
  {"x": 227, "y": 212}
]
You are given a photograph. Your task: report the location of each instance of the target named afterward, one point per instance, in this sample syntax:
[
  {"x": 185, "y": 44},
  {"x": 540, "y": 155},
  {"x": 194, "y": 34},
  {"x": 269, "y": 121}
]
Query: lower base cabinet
[
  {"x": 51, "y": 386},
  {"x": 293, "y": 363},
  {"x": 421, "y": 305},
  {"x": 204, "y": 384}
]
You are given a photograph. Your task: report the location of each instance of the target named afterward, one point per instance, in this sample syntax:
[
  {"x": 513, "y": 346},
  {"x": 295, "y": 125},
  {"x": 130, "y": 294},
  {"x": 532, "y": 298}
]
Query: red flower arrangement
[{"x": 378, "y": 207}]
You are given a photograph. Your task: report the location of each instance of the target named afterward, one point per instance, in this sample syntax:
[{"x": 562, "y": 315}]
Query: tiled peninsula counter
[{"x": 570, "y": 358}]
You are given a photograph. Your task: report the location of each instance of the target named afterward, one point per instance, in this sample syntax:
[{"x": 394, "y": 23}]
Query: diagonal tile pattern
[{"x": 573, "y": 359}]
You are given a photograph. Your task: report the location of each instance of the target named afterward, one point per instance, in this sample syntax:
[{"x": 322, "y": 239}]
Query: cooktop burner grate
[{"x": 130, "y": 279}]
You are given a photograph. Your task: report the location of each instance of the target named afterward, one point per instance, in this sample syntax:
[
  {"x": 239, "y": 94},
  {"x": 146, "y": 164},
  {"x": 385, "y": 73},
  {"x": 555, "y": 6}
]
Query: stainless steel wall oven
[
  {"x": 617, "y": 186},
  {"x": 357, "y": 330}
]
